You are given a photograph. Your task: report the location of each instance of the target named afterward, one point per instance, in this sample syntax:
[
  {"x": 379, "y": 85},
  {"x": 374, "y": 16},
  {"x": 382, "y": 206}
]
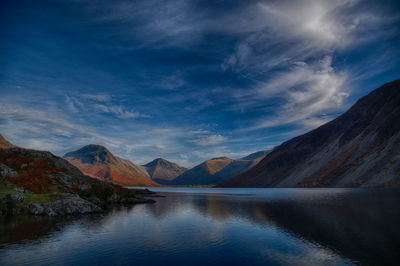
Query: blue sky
[{"x": 187, "y": 80}]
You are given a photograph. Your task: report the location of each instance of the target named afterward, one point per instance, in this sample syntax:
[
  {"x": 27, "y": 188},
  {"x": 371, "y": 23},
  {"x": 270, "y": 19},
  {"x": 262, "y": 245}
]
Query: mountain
[
  {"x": 217, "y": 170},
  {"x": 359, "y": 148},
  {"x": 163, "y": 171},
  {"x": 256, "y": 156},
  {"x": 98, "y": 162},
  {"x": 5, "y": 143},
  {"x": 40, "y": 183}
]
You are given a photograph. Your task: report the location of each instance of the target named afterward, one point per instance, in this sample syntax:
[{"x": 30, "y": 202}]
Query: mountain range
[
  {"x": 359, "y": 148},
  {"x": 98, "y": 162},
  {"x": 217, "y": 170}
]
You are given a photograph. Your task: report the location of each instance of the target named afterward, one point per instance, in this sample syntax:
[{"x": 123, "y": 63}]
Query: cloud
[
  {"x": 307, "y": 93},
  {"x": 290, "y": 51},
  {"x": 209, "y": 140},
  {"x": 297, "y": 31},
  {"x": 50, "y": 127},
  {"x": 100, "y": 97},
  {"x": 100, "y": 104},
  {"x": 117, "y": 110},
  {"x": 160, "y": 23}
]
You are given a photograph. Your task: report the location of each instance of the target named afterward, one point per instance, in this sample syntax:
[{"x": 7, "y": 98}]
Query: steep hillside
[
  {"x": 5, "y": 143},
  {"x": 238, "y": 166},
  {"x": 217, "y": 170},
  {"x": 256, "y": 156},
  {"x": 98, "y": 162},
  {"x": 163, "y": 171},
  {"x": 359, "y": 148}
]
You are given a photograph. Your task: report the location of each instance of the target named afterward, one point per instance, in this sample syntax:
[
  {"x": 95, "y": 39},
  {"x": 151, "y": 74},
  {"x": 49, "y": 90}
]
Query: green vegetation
[
  {"x": 7, "y": 205},
  {"x": 5, "y": 189},
  {"x": 36, "y": 198}
]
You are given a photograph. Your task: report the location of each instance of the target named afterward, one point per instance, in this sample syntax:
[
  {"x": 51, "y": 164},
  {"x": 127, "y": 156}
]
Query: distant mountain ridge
[
  {"x": 359, "y": 148},
  {"x": 97, "y": 161},
  {"x": 217, "y": 170},
  {"x": 163, "y": 171}
]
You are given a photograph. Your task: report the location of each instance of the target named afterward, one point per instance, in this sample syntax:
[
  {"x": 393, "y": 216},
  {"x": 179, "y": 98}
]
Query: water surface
[{"x": 197, "y": 226}]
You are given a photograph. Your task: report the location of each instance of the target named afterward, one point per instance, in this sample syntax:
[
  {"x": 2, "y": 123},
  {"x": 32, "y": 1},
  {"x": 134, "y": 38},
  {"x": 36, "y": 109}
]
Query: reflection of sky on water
[{"x": 268, "y": 226}]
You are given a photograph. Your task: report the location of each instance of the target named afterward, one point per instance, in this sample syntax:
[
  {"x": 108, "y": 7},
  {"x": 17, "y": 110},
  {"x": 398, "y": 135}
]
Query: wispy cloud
[
  {"x": 100, "y": 104},
  {"x": 159, "y": 23},
  {"x": 291, "y": 56},
  {"x": 209, "y": 140},
  {"x": 307, "y": 92},
  {"x": 51, "y": 128},
  {"x": 290, "y": 31}
]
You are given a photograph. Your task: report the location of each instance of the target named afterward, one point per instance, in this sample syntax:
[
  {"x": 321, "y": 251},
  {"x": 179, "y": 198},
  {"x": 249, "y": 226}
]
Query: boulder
[
  {"x": 6, "y": 171},
  {"x": 18, "y": 197}
]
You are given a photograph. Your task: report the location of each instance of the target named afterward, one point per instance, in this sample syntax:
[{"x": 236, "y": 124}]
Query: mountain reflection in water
[{"x": 239, "y": 226}]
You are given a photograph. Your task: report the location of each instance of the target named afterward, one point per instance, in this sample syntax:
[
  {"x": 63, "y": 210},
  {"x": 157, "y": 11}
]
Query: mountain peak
[
  {"x": 163, "y": 170},
  {"x": 156, "y": 162},
  {"x": 97, "y": 161},
  {"x": 220, "y": 158},
  {"x": 161, "y": 160},
  {"x": 92, "y": 153}
]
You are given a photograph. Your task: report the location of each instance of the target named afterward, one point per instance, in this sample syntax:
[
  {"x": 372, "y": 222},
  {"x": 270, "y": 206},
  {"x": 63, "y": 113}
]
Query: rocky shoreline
[{"x": 68, "y": 204}]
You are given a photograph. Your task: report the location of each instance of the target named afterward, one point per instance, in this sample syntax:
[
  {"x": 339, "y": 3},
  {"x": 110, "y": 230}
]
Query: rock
[
  {"x": 70, "y": 195},
  {"x": 84, "y": 187},
  {"x": 95, "y": 200},
  {"x": 6, "y": 171},
  {"x": 19, "y": 189},
  {"x": 68, "y": 206},
  {"x": 67, "y": 180},
  {"x": 18, "y": 197},
  {"x": 114, "y": 198},
  {"x": 22, "y": 190}
]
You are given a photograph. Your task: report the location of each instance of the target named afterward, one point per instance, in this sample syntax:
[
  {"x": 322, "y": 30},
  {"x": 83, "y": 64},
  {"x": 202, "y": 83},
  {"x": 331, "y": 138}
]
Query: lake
[{"x": 208, "y": 226}]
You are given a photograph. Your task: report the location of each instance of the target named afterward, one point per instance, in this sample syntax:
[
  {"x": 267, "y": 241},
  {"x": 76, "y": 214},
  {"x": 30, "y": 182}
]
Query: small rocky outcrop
[{"x": 70, "y": 205}]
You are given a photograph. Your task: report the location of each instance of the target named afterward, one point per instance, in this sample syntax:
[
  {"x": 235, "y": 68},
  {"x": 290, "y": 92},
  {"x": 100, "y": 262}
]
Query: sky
[{"x": 187, "y": 80}]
